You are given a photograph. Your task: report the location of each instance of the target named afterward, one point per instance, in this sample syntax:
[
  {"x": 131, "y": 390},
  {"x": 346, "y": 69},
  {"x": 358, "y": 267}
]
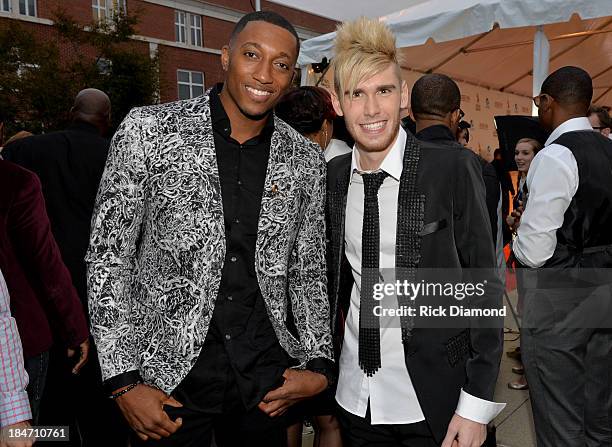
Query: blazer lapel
[
  {"x": 337, "y": 216},
  {"x": 410, "y": 215}
]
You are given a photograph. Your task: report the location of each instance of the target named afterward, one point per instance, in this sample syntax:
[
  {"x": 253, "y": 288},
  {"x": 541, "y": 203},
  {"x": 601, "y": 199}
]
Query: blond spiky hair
[{"x": 363, "y": 48}]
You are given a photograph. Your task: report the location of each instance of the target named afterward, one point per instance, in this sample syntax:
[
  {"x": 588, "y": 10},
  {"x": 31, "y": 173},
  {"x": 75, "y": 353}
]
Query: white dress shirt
[
  {"x": 390, "y": 391},
  {"x": 335, "y": 148},
  {"x": 552, "y": 182}
]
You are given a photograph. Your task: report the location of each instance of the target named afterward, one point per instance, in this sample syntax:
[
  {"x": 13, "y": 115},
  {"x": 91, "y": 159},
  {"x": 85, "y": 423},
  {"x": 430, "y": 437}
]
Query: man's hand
[
  {"x": 514, "y": 219},
  {"x": 84, "y": 350},
  {"x": 5, "y": 441},
  {"x": 298, "y": 386},
  {"x": 143, "y": 410},
  {"x": 464, "y": 433}
]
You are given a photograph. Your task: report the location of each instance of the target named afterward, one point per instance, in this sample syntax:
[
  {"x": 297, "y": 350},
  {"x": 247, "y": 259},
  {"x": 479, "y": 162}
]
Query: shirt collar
[
  {"x": 436, "y": 132},
  {"x": 393, "y": 164},
  {"x": 569, "y": 126}
]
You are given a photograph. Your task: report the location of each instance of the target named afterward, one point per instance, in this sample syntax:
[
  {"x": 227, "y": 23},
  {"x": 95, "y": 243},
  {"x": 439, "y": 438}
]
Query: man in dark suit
[
  {"x": 396, "y": 206},
  {"x": 42, "y": 294},
  {"x": 69, "y": 164},
  {"x": 435, "y": 123}
]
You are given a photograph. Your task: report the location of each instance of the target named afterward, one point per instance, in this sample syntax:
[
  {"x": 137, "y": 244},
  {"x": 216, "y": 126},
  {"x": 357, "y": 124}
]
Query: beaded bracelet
[{"x": 122, "y": 392}]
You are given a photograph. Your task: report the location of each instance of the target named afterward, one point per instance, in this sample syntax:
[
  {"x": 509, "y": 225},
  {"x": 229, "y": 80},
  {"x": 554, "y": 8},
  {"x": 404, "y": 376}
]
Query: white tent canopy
[{"x": 490, "y": 42}]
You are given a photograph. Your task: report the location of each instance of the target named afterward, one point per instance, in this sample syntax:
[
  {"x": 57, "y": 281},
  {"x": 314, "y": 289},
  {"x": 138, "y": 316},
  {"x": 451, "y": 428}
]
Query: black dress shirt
[{"x": 241, "y": 359}]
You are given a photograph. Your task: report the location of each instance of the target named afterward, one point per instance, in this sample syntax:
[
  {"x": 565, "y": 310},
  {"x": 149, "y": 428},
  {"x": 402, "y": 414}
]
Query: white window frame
[
  {"x": 106, "y": 12},
  {"x": 180, "y": 26},
  {"x": 188, "y": 28},
  {"x": 190, "y": 84},
  {"x": 195, "y": 30},
  {"x": 27, "y": 8},
  {"x": 8, "y": 4}
]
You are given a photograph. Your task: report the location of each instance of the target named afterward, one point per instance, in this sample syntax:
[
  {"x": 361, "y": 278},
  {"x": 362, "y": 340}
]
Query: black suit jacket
[
  {"x": 442, "y": 223},
  {"x": 69, "y": 164}
]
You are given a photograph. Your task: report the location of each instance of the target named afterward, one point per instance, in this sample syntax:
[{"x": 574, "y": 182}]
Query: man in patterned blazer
[
  {"x": 399, "y": 207},
  {"x": 207, "y": 287}
]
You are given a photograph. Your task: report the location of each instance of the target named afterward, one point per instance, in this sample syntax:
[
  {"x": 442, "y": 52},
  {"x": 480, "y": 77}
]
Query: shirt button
[
  {"x": 236, "y": 221},
  {"x": 230, "y": 298},
  {"x": 239, "y": 182},
  {"x": 228, "y": 337},
  {"x": 233, "y": 259}
]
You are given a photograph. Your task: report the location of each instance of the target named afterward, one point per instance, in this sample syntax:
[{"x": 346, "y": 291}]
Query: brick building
[{"x": 186, "y": 34}]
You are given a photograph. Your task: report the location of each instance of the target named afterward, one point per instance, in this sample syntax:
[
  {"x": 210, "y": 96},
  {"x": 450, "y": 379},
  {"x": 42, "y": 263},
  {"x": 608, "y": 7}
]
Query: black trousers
[
  {"x": 234, "y": 429},
  {"x": 569, "y": 372},
  {"x": 81, "y": 403},
  {"x": 358, "y": 432},
  {"x": 568, "y": 364}
]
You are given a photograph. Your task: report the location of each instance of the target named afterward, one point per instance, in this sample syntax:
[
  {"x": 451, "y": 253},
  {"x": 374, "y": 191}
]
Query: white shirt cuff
[{"x": 476, "y": 409}]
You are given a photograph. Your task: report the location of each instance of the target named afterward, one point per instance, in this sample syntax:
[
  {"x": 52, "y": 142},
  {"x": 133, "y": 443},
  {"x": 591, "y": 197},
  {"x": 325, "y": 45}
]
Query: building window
[
  {"x": 106, "y": 9},
  {"x": 188, "y": 28},
  {"x": 195, "y": 29},
  {"x": 27, "y": 7},
  {"x": 5, "y": 5},
  {"x": 190, "y": 84},
  {"x": 180, "y": 26}
]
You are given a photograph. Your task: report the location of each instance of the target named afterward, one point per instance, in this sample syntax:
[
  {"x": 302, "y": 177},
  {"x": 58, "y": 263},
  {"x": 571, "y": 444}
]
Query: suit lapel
[
  {"x": 337, "y": 216},
  {"x": 410, "y": 215}
]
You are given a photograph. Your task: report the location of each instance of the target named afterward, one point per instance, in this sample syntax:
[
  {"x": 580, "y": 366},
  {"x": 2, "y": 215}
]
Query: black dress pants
[
  {"x": 358, "y": 432},
  {"x": 251, "y": 428}
]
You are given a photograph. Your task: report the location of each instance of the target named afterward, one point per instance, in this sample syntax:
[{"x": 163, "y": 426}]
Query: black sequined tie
[{"x": 369, "y": 324}]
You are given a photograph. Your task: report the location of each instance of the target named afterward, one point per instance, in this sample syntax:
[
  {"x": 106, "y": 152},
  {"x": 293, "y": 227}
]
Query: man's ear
[
  {"x": 225, "y": 57},
  {"x": 404, "y": 95},
  {"x": 606, "y": 132},
  {"x": 336, "y": 104}
]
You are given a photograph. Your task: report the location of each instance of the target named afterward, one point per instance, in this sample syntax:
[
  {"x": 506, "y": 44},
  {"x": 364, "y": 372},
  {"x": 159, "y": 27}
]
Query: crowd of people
[{"x": 209, "y": 276}]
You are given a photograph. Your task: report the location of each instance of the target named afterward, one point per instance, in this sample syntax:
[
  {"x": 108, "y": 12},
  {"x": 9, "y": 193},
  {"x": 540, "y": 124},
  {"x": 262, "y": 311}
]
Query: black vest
[{"x": 585, "y": 238}]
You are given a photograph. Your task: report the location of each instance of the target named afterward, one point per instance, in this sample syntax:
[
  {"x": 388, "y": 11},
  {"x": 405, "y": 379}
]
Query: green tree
[{"x": 39, "y": 77}]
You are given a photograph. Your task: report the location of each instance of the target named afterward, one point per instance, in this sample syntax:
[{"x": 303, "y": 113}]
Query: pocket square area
[{"x": 432, "y": 227}]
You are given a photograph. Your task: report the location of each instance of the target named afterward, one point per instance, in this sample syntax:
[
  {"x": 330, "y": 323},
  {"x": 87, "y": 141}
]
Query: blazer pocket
[
  {"x": 432, "y": 227},
  {"x": 458, "y": 347}
]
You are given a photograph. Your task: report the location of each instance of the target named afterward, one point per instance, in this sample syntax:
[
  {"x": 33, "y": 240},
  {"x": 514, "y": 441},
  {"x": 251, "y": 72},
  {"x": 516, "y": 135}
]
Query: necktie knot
[{"x": 372, "y": 182}]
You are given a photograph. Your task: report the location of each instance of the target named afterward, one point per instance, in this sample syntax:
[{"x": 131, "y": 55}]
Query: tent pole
[
  {"x": 304, "y": 77},
  {"x": 541, "y": 59}
]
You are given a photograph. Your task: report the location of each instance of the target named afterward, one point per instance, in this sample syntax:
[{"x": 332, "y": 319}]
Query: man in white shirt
[
  {"x": 566, "y": 228},
  {"x": 395, "y": 207}
]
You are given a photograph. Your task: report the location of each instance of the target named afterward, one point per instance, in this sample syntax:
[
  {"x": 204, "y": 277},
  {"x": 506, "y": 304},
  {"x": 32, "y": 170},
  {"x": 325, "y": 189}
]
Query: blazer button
[{"x": 228, "y": 337}]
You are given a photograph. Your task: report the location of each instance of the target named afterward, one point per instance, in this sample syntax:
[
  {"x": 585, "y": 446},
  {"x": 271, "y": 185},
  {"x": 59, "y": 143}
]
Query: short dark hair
[
  {"x": 570, "y": 87},
  {"x": 602, "y": 114},
  {"x": 435, "y": 94},
  {"x": 306, "y": 108},
  {"x": 265, "y": 16}
]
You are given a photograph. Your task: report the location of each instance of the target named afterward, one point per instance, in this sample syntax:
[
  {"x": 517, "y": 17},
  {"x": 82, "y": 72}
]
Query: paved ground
[{"x": 514, "y": 424}]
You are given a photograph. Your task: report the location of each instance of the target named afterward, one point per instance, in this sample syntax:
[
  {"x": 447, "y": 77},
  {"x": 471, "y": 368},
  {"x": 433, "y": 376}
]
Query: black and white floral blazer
[{"x": 157, "y": 244}]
